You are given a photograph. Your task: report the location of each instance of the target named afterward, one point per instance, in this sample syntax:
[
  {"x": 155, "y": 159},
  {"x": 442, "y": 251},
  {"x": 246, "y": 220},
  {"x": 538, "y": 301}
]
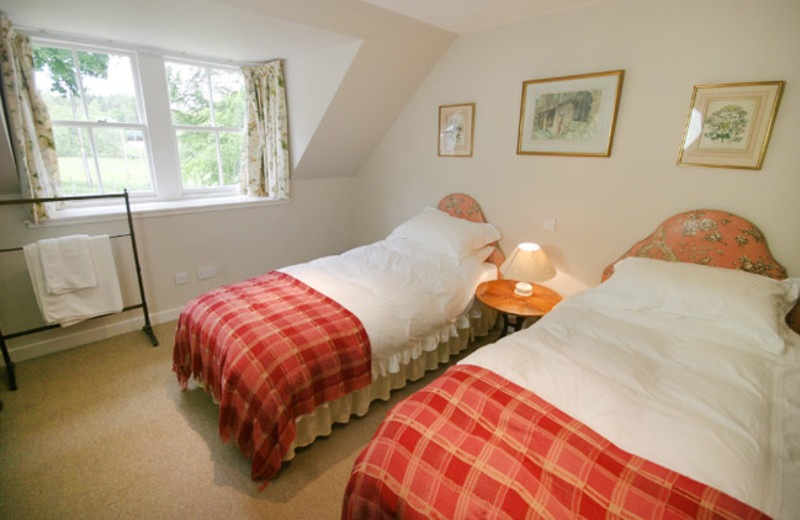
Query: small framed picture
[
  {"x": 729, "y": 125},
  {"x": 570, "y": 115},
  {"x": 456, "y": 123}
]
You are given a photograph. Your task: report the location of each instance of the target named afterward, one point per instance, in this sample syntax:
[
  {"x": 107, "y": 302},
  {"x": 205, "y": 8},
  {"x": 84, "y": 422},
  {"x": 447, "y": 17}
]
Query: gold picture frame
[
  {"x": 729, "y": 125},
  {"x": 456, "y": 126},
  {"x": 570, "y": 115}
]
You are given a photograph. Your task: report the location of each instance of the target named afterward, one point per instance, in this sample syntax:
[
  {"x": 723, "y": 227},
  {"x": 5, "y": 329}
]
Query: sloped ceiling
[
  {"x": 395, "y": 56},
  {"x": 201, "y": 28},
  {"x": 469, "y": 16}
]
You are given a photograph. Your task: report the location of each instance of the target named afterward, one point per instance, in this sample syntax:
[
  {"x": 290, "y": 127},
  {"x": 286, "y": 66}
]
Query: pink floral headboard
[
  {"x": 712, "y": 237},
  {"x": 463, "y": 206}
]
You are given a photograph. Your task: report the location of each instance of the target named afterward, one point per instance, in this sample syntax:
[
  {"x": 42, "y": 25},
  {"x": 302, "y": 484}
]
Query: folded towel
[
  {"x": 75, "y": 306},
  {"x": 67, "y": 264}
]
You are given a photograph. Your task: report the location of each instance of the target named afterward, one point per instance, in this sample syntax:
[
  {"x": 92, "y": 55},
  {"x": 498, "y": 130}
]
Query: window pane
[
  {"x": 198, "y": 156},
  {"x": 75, "y": 161},
  {"x": 108, "y": 87},
  {"x": 122, "y": 156},
  {"x": 188, "y": 94},
  {"x": 228, "y": 95},
  {"x": 231, "y": 148},
  {"x": 57, "y": 84}
]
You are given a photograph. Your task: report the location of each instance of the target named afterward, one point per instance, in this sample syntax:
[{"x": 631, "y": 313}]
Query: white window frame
[
  {"x": 216, "y": 130},
  {"x": 92, "y": 125},
  {"x": 160, "y": 138}
]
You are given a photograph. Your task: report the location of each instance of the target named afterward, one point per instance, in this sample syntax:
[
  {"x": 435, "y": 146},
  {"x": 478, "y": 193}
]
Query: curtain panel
[
  {"x": 266, "y": 168},
  {"x": 28, "y": 121}
]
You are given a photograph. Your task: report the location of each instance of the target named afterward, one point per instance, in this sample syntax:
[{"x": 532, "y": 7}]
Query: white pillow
[
  {"x": 750, "y": 304},
  {"x": 450, "y": 235},
  {"x": 482, "y": 254}
]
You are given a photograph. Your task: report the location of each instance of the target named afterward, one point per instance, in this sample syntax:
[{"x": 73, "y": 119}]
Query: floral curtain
[
  {"x": 266, "y": 168},
  {"x": 28, "y": 121}
]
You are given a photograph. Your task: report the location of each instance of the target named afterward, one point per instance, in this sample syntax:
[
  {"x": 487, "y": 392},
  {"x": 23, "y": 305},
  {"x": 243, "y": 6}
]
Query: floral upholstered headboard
[
  {"x": 712, "y": 237},
  {"x": 463, "y": 206}
]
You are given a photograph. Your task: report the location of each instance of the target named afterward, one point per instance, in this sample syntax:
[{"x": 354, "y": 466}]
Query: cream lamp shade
[{"x": 527, "y": 264}]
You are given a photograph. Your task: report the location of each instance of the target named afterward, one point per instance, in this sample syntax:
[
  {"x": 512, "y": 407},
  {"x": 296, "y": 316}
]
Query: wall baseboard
[{"x": 57, "y": 340}]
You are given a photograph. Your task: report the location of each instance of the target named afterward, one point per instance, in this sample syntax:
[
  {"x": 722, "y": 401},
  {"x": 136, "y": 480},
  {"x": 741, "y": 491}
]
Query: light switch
[{"x": 549, "y": 223}]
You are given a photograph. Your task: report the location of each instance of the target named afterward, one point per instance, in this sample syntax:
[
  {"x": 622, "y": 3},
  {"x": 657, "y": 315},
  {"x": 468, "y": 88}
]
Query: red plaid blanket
[
  {"x": 474, "y": 445},
  {"x": 269, "y": 349}
]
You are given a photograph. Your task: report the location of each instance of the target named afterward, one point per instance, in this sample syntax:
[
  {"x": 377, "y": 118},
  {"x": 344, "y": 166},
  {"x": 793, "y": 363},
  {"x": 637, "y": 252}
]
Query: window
[
  {"x": 207, "y": 108},
  {"x": 97, "y": 121},
  {"x": 100, "y": 101}
]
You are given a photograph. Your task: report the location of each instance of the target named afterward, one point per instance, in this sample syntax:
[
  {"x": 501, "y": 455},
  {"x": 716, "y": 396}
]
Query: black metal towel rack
[{"x": 148, "y": 329}]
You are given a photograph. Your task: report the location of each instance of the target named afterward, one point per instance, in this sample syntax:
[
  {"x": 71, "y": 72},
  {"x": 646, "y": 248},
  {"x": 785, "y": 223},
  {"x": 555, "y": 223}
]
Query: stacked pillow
[
  {"x": 752, "y": 305},
  {"x": 455, "y": 237}
]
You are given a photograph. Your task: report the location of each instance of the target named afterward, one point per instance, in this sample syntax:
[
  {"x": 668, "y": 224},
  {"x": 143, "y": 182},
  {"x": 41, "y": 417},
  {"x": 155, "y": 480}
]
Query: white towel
[
  {"x": 75, "y": 306},
  {"x": 67, "y": 264}
]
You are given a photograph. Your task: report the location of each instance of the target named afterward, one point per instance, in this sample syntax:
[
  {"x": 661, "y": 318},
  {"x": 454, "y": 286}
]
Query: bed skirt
[{"x": 418, "y": 358}]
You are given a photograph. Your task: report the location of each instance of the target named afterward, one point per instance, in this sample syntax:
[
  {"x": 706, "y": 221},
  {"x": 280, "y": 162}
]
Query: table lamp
[{"x": 527, "y": 264}]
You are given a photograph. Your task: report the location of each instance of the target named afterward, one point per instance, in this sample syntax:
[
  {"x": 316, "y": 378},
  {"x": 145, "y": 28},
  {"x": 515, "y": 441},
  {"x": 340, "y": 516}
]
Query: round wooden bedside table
[{"x": 499, "y": 295}]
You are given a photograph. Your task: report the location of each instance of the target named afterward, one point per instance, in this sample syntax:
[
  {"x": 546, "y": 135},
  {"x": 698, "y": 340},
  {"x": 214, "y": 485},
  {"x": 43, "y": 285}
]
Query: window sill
[{"x": 80, "y": 215}]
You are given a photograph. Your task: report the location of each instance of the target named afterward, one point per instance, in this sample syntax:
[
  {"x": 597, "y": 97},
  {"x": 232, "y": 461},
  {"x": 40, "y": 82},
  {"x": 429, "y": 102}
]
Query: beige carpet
[{"x": 103, "y": 431}]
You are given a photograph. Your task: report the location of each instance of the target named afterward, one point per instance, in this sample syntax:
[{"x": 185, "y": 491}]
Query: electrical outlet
[
  {"x": 549, "y": 223},
  {"x": 204, "y": 273},
  {"x": 181, "y": 278}
]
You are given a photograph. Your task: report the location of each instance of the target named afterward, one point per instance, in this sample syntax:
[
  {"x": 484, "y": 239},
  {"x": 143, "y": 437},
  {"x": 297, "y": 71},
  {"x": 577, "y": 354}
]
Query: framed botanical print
[
  {"x": 729, "y": 125},
  {"x": 570, "y": 115},
  {"x": 456, "y": 124}
]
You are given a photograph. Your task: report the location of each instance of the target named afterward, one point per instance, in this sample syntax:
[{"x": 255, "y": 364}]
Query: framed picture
[
  {"x": 729, "y": 125},
  {"x": 571, "y": 115},
  {"x": 456, "y": 123}
]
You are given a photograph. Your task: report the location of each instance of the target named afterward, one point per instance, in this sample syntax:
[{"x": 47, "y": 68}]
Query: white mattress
[
  {"x": 677, "y": 391},
  {"x": 408, "y": 298}
]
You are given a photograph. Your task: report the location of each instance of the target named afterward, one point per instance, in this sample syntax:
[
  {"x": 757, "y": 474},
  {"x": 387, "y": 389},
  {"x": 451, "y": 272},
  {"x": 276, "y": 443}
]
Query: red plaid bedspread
[
  {"x": 474, "y": 445},
  {"x": 269, "y": 349}
]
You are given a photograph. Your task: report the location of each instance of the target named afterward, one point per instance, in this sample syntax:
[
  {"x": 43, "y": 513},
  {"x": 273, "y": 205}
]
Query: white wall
[
  {"x": 9, "y": 183},
  {"x": 602, "y": 205},
  {"x": 240, "y": 243},
  {"x": 395, "y": 56},
  {"x": 312, "y": 79}
]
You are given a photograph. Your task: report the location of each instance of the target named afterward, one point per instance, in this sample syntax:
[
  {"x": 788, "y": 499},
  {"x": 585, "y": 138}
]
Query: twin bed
[
  {"x": 288, "y": 354},
  {"x": 669, "y": 391}
]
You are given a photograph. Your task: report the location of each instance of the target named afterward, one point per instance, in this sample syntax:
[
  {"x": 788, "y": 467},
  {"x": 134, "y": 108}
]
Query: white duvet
[
  {"x": 407, "y": 296},
  {"x": 680, "y": 392}
]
